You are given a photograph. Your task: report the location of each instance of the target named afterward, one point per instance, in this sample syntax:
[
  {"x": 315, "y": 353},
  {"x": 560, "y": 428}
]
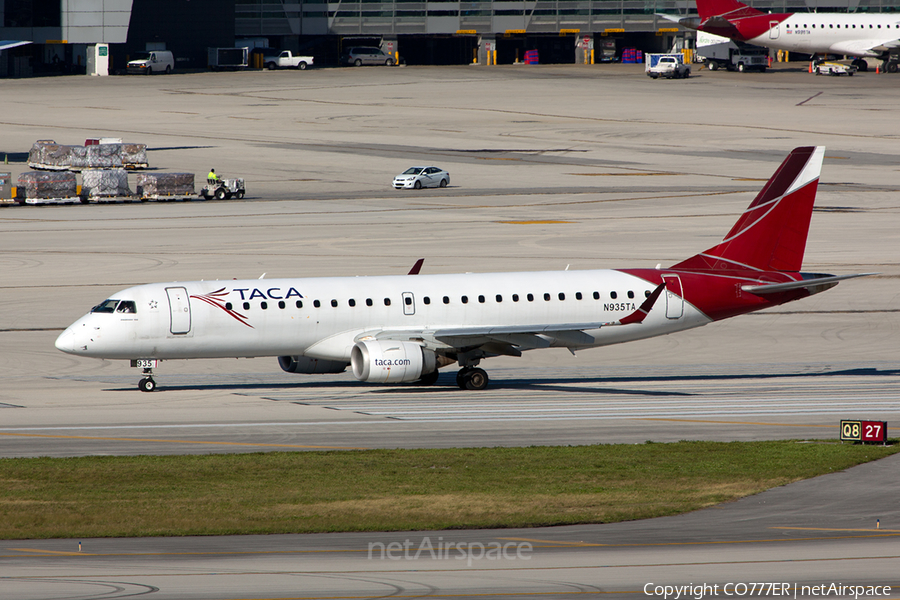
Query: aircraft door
[
  {"x": 409, "y": 304},
  {"x": 773, "y": 29},
  {"x": 674, "y": 297},
  {"x": 180, "y": 310}
]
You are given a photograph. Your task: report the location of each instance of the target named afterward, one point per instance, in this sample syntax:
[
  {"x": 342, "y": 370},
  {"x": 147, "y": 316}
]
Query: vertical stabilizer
[
  {"x": 771, "y": 234},
  {"x": 727, "y": 9}
]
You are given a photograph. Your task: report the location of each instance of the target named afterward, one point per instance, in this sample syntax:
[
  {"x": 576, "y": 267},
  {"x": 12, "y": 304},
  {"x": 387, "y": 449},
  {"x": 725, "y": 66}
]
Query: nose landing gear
[{"x": 147, "y": 384}]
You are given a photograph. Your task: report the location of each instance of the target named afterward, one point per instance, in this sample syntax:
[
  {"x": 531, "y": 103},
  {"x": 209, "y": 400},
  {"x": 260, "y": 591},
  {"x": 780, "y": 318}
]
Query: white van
[{"x": 155, "y": 61}]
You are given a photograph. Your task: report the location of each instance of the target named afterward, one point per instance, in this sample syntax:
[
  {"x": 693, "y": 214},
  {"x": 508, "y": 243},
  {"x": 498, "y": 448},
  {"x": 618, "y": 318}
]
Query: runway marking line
[
  {"x": 53, "y": 552},
  {"x": 731, "y": 422},
  {"x": 870, "y": 529},
  {"x": 534, "y": 222},
  {"x": 561, "y": 544},
  {"x": 117, "y": 439}
]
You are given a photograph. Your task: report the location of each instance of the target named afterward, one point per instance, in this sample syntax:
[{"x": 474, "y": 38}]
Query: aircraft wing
[
  {"x": 810, "y": 284},
  {"x": 511, "y": 339}
]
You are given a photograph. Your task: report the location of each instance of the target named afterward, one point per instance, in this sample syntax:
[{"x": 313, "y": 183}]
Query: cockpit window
[
  {"x": 107, "y": 306},
  {"x": 126, "y": 306}
]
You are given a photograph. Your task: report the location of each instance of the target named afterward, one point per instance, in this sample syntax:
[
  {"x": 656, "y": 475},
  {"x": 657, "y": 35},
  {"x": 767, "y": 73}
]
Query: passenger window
[
  {"x": 281, "y": 304},
  {"x": 334, "y": 303},
  {"x": 246, "y": 306},
  {"x": 351, "y": 302},
  {"x": 630, "y": 294},
  {"x": 578, "y": 295},
  {"x": 481, "y": 299},
  {"x": 596, "y": 295},
  {"x": 426, "y": 300},
  {"x": 515, "y": 297},
  {"x": 547, "y": 297},
  {"x": 530, "y": 297},
  {"x": 107, "y": 306},
  {"x": 228, "y": 306},
  {"x": 562, "y": 296},
  {"x": 316, "y": 303},
  {"x": 407, "y": 301},
  {"x": 446, "y": 300},
  {"x": 299, "y": 303},
  {"x": 126, "y": 306},
  {"x": 464, "y": 299},
  {"x": 647, "y": 293},
  {"x": 613, "y": 295},
  {"x": 387, "y": 301},
  {"x": 264, "y": 305},
  {"x": 368, "y": 302}
]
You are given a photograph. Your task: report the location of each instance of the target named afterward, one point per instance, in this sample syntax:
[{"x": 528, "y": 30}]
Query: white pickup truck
[
  {"x": 286, "y": 60},
  {"x": 670, "y": 66}
]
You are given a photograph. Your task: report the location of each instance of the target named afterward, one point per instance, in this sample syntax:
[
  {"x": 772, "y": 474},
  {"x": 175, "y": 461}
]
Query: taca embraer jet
[
  {"x": 861, "y": 34},
  {"x": 404, "y": 328}
]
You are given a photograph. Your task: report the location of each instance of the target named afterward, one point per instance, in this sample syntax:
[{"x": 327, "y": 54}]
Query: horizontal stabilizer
[{"x": 774, "y": 288}]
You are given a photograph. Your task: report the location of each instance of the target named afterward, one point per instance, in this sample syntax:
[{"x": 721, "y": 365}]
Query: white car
[
  {"x": 419, "y": 177},
  {"x": 834, "y": 68}
]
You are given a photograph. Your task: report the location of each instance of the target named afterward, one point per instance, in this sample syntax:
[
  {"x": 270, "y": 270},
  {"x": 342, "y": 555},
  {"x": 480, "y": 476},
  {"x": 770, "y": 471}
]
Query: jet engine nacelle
[
  {"x": 390, "y": 362},
  {"x": 305, "y": 364}
]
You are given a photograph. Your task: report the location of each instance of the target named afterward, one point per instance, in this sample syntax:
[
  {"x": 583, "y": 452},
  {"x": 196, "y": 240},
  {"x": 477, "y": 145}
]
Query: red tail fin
[
  {"x": 727, "y": 9},
  {"x": 771, "y": 234}
]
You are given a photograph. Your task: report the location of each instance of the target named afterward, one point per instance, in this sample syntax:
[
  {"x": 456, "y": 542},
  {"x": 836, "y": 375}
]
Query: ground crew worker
[{"x": 212, "y": 178}]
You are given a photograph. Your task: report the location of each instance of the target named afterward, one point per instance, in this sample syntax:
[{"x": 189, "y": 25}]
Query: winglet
[
  {"x": 641, "y": 313},
  {"x": 416, "y": 267}
]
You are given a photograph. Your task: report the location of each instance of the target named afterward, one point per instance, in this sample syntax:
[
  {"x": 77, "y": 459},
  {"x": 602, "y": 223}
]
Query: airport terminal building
[{"x": 47, "y": 36}]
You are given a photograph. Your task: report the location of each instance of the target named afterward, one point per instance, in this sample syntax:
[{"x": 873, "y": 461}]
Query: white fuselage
[
  {"x": 832, "y": 33},
  {"x": 324, "y": 317}
]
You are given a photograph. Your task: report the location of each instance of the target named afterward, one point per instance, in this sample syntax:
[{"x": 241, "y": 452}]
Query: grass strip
[{"x": 392, "y": 490}]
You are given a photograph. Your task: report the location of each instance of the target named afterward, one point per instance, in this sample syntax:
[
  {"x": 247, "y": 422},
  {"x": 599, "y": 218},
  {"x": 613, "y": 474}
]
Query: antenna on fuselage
[{"x": 263, "y": 276}]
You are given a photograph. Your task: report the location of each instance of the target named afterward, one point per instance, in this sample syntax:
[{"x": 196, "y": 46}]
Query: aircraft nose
[{"x": 66, "y": 341}]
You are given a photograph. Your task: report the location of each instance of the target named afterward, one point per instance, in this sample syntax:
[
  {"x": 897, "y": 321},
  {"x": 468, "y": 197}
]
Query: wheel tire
[
  {"x": 687, "y": 74},
  {"x": 149, "y": 70},
  {"x": 817, "y": 71},
  {"x": 741, "y": 67},
  {"x": 712, "y": 65},
  {"x": 240, "y": 195},
  {"x": 476, "y": 379},
  {"x": 357, "y": 63},
  {"x": 417, "y": 185},
  {"x": 168, "y": 69},
  {"x": 205, "y": 196},
  {"x": 461, "y": 377},
  {"x": 147, "y": 385},
  {"x": 443, "y": 183},
  {"x": 389, "y": 62},
  {"x": 892, "y": 67},
  {"x": 302, "y": 66},
  {"x": 270, "y": 66},
  {"x": 220, "y": 194}
]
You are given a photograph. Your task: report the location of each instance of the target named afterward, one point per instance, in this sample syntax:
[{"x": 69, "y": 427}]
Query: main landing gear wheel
[
  {"x": 472, "y": 379},
  {"x": 147, "y": 384}
]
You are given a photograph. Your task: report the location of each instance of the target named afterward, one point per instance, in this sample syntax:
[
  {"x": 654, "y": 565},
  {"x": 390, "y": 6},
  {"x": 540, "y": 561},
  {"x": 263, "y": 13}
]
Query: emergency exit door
[
  {"x": 409, "y": 304},
  {"x": 180, "y": 310}
]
